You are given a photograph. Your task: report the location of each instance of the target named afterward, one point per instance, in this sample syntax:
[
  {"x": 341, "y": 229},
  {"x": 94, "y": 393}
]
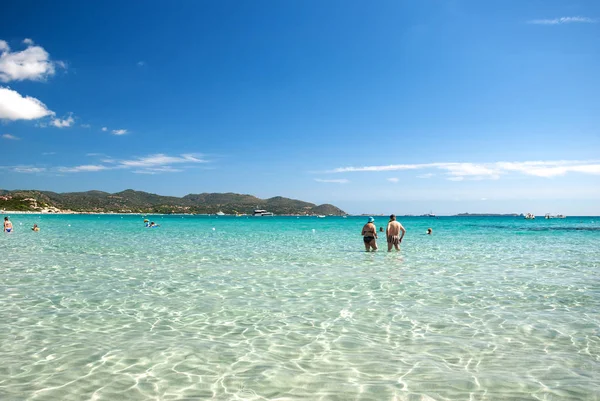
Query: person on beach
[
  {"x": 369, "y": 233},
  {"x": 8, "y": 227},
  {"x": 393, "y": 233},
  {"x": 35, "y": 228}
]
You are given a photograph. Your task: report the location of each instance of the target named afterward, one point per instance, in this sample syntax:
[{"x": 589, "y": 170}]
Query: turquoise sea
[{"x": 97, "y": 307}]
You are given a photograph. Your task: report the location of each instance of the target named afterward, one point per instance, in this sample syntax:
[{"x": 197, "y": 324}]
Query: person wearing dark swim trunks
[
  {"x": 8, "y": 227},
  {"x": 369, "y": 233},
  {"x": 392, "y": 233}
]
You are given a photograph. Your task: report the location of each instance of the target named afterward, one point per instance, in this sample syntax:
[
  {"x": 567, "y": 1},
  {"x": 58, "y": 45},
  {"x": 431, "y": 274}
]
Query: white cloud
[
  {"x": 393, "y": 179},
  {"x": 493, "y": 171},
  {"x": 118, "y": 131},
  {"x": 33, "y": 63},
  {"x": 469, "y": 170},
  {"x": 161, "y": 160},
  {"x": 12, "y": 137},
  {"x": 392, "y": 167},
  {"x": 64, "y": 123},
  {"x": 104, "y": 129},
  {"x": 141, "y": 63},
  {"x": 152, "y": 164},
  {"x": 13, "y": 106},
  {"x": 562, "y": 20},
  {"x": 427, "y": 175},
  {"x": 83, "y": 168},
  {"x": 339, "y": 181},
  {"x": 86, "y": 126},
  {"x": 28, "y": 169}
]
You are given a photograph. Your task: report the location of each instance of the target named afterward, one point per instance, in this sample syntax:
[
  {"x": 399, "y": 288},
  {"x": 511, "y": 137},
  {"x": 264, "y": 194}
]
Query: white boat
[
  {"x": 219, "y": 213},
  {"x": 548, "y": 216},
  {"x": 321, "y": 216},
  {"x": 530, "y": 216},
  {"x": 261, "y": 212}
]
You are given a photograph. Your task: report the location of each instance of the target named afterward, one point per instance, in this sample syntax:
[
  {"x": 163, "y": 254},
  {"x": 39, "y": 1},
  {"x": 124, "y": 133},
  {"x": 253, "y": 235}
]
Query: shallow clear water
[{"x": 285, "y": 308}]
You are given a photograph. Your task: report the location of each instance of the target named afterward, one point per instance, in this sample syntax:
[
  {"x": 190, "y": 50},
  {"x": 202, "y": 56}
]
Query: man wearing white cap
[{"x": 369, "y": 233}]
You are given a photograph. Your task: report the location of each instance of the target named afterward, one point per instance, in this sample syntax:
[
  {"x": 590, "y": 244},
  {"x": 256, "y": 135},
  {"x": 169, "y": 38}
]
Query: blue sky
[{"x": 392, "y": 106}]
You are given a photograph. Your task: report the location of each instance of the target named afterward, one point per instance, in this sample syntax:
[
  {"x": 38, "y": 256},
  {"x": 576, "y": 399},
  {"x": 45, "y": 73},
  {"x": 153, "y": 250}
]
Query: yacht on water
[
  {"x": 530, "y": 216},
  {"x": 220, "y": 213},
  {"x": 558, "y": 216},
  {"x": 261, "y": 212}
]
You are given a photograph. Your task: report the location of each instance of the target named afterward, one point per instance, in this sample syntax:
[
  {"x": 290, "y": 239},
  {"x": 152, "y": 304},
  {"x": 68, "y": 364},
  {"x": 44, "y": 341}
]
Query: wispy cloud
[
  {"x": 86, "y": 126},
  {"x": 562, "y": 20},
  {"x": 162, "y": 160},
  {"x": 83, "y": 168},
  {"x": 33, "y": 63},
  {"x": 393, "y": 179},
  {"x": 104, "y": 129},
  {"x": 28, "y": 169},
  {"x": 118, "y": 131},
  {"x": 141, "y": 63},
  {"x": 334, "y": 181},
  {"x": 480, "y": 171},
  {"x": 151, "y": 164},
  {"x": 11, "y": 137},
  {"x": 426, "y": 175},
  {"x": 64, "y": 123}
]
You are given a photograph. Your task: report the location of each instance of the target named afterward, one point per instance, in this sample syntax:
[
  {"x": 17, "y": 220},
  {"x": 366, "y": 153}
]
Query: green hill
[{"x": 131, "y": 201}]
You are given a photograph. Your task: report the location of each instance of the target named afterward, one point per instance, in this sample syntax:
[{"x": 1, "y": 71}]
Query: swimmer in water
[
  {"x": 394, "y": 228},
  {"x": 35, "y": 228},
  {"x": 429, "y": 231},
  {"x": 8, "y": 227},
  {"x": 369, "y": 233}
]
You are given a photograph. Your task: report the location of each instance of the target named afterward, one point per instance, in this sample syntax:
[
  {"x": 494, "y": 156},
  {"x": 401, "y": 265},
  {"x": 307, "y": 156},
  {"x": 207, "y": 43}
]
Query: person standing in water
[
  {"x": 393, "y": 233},
  {"x": 369, "y": 233},
  {"x": 8, "y": 227}
]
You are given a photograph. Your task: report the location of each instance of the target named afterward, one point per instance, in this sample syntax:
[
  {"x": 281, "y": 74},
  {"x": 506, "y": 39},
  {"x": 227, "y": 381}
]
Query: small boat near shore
[
  {"x": 261, "y": 212},
  {"x": 529, "y": 216}
]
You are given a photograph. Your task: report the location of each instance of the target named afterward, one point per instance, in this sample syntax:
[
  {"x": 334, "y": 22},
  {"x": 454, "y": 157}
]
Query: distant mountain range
[{"x": 130, "y": 201}]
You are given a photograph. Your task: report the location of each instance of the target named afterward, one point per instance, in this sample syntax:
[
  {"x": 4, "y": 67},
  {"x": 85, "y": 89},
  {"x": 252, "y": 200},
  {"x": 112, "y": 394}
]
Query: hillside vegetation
[{"x": 130, "y": 201}]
